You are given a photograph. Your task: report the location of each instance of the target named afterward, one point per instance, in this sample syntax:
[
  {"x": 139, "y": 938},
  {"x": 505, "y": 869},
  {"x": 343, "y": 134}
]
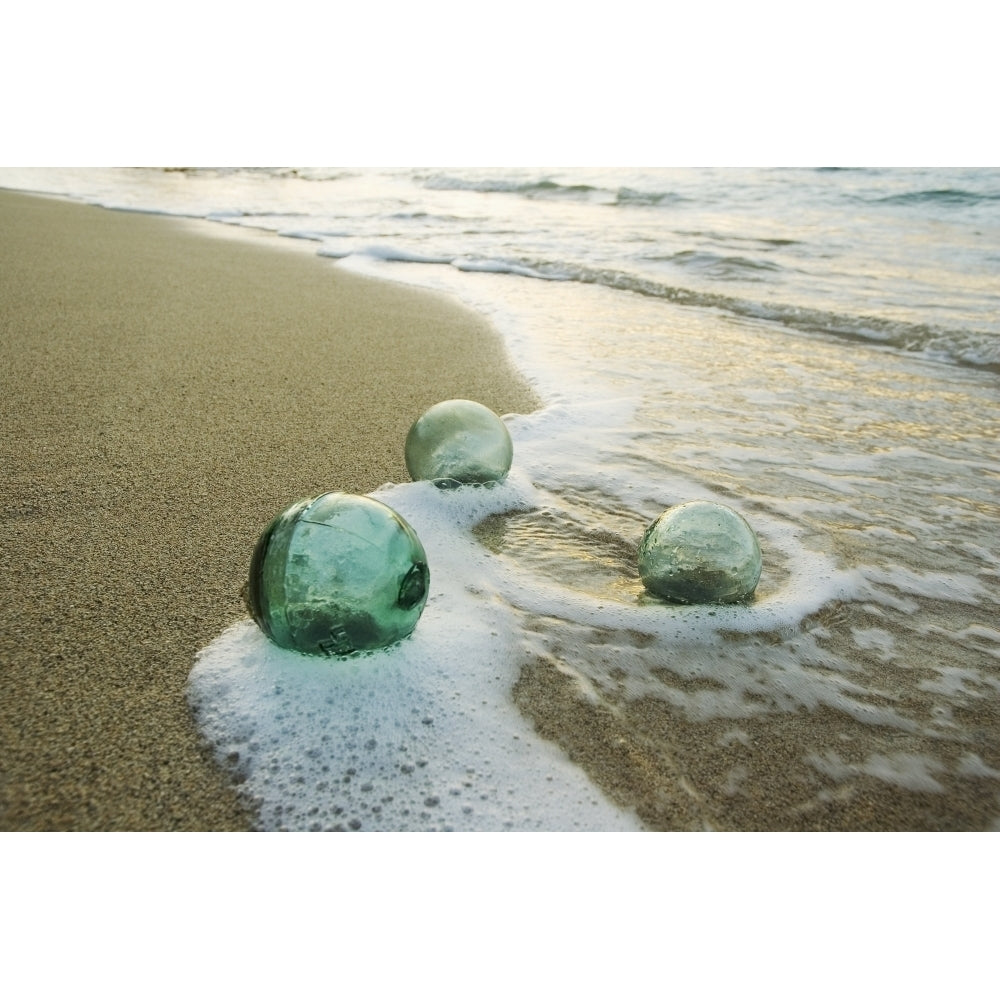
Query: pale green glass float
[
  {"x": 700, "y": 552},
  {"x": 337, "y": 574},
  {"x": 457, "y": 442}
]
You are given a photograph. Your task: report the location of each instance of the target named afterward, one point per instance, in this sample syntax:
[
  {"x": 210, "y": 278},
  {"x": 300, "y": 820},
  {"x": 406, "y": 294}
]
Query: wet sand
[{"x": 165, "y": 393}]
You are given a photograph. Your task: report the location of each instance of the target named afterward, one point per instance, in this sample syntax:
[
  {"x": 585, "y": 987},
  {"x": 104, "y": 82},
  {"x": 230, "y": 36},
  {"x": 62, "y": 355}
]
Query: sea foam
[
  {"x": 420, "y": 736},
  {"x": 424, "y": 735}
]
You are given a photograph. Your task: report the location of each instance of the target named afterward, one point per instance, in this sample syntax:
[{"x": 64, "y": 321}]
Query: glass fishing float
[
  {"x": 700, "y": 552},
  {"x": 458, "y": 442},
  {"x": 337, "y": 574}
]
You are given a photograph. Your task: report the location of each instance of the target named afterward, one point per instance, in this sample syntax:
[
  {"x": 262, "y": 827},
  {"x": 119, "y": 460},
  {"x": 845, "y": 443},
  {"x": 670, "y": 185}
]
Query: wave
[
  {"x": 962, "y": 347},
  {"x": 388, "y": 253},
  {"x": 496, "y": 266},
  {"x": 720, "y": 266},
  {"x": 225, "y": 215},
  {"x": 724, "y": 238},
  {"x": 954, "y": 346},
  {"x": 421, "y": 216},
  {"x": 630, "y": 196},
  {"x": 303, "y": 234},
  {"x": 544, "y": 188},
  {"x": 550, "y": 189},
  {"x": 940, "y": 196},
  {"x": 297, "y": 173}
]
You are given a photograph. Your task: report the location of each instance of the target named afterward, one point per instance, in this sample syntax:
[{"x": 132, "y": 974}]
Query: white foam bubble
[
  {"x": 912, "y": 771},
  {"x": 960, "y": 587},
  {"x": 420, "y": 736}
]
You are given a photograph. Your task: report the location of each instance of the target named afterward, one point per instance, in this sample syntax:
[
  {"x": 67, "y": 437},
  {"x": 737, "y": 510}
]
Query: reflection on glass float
[
  {"x": 700, "y": 553},
  {"x": 459, "y": 441},
  {"x": 337, "y": 574}
]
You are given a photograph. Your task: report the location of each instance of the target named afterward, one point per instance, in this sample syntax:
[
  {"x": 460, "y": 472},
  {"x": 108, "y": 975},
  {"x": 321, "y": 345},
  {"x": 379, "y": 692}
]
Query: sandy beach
[{"x": 165, "y": 393}]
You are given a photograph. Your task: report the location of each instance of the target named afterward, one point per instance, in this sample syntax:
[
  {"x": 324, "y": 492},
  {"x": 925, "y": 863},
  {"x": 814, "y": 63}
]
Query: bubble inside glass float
[
  {"x": 700, "y": 553},
  {"x": 459, "y": 441},
  {"x": 337, "y": 574}
]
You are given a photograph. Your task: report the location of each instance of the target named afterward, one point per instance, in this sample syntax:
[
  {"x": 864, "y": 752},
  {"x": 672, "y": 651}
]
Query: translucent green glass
[
  {"x": 337, "y": 574},
  {"x": 700, "y": 553},
  {"x": 459, "y": 441}
]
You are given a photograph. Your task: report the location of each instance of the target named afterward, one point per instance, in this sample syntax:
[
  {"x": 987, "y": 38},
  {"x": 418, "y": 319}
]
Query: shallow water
[
  {"x": 817, "y": 350},
  {"x": 867, "y": 662}
]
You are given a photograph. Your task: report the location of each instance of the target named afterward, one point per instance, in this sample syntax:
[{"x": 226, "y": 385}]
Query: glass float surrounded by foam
[
  {"x": 337, "y": 574},
  {"x": 459, "y": 441},
  {"x": 700, "y": 552}
]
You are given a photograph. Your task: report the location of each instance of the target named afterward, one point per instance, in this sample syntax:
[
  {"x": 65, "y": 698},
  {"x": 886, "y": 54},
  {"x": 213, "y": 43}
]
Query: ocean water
[{"x": 818, "y": 349}]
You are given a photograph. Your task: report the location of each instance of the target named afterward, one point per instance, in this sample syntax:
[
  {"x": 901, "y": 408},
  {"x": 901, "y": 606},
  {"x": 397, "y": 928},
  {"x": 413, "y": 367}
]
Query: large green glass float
[{"x": 337, "y": 574}]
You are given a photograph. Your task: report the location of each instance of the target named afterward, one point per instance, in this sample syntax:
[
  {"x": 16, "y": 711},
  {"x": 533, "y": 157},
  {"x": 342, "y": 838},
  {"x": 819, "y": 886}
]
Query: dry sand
[{"x": 164, "y": 394}]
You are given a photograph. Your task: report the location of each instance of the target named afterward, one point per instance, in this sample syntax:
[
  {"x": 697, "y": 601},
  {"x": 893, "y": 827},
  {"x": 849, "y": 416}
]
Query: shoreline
[{"x": 166, "y": 395}]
